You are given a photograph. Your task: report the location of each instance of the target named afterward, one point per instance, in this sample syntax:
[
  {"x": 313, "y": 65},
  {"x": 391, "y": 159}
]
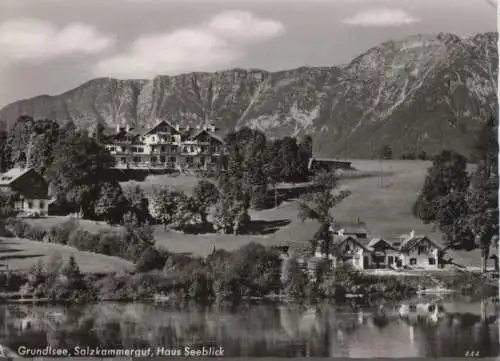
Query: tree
[
  {"x": 246, "y": 164},
  {"x": 483, "y": 211},
  {"x": 305, "y": 153},
  {"x": 258, "y": 268},
  {"x": 468, "y": 214},
  {"x": 295, "y": 280},
  {"x": 80, "y": 167},
  {"x": 447, "y": 175},
  {"x": 385, "y": 152},
  {"x": 273, "y": 166},
  {"x": 4, "y": 156},
  {"x": 149, "y": 260},
  {"x": 422, "y": 155},
  {"x": 205, "y": 196},
  {"x": 19, "y": 138},
  {"x": 291, "y": 163},
  {"x": 231, "y": 211},
  {"x": 111, "y": 203},
  {"x": 318, "y": 203},
  {"x": 7, "y": 209},
  {"x": 172, "y": 208},
  {"x": 138, "y": 206}
]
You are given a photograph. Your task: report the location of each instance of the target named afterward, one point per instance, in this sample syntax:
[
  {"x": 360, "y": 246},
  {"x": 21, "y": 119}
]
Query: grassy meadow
[{"x": 382, "y": 197}]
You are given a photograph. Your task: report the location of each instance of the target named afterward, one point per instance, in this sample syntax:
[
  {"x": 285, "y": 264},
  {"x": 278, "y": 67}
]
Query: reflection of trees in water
[{"x": 287, "y": 331}]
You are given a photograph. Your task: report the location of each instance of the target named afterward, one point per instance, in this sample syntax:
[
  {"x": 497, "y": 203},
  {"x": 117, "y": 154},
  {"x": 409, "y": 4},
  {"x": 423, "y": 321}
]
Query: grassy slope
[
  {"x": 386, "y": 209},
  {"x": 21, "y": 254}
]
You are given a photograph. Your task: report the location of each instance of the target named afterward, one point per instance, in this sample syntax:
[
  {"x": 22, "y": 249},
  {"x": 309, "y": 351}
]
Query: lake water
[{"x": 417, "y": 328}]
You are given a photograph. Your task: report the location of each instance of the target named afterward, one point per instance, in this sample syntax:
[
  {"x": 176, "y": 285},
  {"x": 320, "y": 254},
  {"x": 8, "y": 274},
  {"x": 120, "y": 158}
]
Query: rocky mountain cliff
[{"x": 425, "y": 92}]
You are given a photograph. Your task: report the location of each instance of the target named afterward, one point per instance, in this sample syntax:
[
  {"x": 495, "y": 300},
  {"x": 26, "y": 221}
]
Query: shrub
[
  {"x": 109, "y": 244},
  {"x": 35, "y": 233},
  {"x": 83, "y": 240},
  {"x": 18, "y": 227},
  {"x": 60, "y": 234},
  {"x": 150, "y": 259}
]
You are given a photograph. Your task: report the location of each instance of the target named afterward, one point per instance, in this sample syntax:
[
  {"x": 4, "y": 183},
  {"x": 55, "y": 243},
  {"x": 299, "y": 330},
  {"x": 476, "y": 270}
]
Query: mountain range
[{"x": 423, "y": 92}]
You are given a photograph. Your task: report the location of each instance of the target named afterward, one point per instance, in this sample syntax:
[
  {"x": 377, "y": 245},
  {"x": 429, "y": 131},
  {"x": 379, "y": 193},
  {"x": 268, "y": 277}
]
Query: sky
[{"x": 51, "y": 46}]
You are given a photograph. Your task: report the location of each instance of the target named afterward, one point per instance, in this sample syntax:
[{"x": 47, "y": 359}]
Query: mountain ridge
[{"x": 406, "y": 93}]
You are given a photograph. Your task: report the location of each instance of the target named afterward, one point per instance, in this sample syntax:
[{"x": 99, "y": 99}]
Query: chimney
[
  {"x": 177, "y": 127},
  {"x": 127, "y": 128},
  {"x": 412, "y": 234},
  {"x": 118, "y": 128},
  {"x": 198, "y": 127}
]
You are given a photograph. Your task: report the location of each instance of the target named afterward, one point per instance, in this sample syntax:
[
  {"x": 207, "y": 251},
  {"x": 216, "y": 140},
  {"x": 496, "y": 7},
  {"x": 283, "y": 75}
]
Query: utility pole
[{"x": 381, "y": 172}]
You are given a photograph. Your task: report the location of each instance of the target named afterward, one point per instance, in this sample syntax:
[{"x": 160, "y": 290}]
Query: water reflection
[{"x": 418, "y": 328}]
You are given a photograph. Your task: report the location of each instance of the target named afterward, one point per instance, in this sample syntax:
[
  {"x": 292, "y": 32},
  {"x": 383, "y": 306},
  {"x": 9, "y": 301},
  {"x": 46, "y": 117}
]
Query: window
[
  {"x": 421, "y": 249},
  {"x": 413, "y": 308},
  {"x": 390, "y": 259},
  {"x": 432, "y": 261},
  {"x": 30, "y": 204},
  {"x": 431, "y": 308},
  {"x": 413, "y": 261},
  {"x": 42, "y": 204}
]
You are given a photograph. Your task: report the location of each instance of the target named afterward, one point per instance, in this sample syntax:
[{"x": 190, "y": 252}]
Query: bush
[
  {"x": 109, "y": 244},
  {"x": 83, "y": 240},
  {"x": 150, "y": 259},
  {"x": 60, "y": 234},
  {"x": 18, "y": 227},
  {"x": 35, "y": 233}
]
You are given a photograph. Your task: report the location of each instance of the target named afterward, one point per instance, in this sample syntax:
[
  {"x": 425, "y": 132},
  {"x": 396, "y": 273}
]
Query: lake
[{"x": 423, "y": 327}]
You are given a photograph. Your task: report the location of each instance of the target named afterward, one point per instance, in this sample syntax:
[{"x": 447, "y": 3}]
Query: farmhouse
[
  {"x": 165, "y": 146},
  {"x": 354, "y": 248},
  {"x": 29, "y": 188},
  {"x": 420, "y": 251}
]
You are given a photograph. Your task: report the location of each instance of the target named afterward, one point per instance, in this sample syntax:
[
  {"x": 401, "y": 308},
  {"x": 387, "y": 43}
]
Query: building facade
[
  {"x": 166, "y": 146},
  {"x": 411, "y": 251},
  {"x": 30, "y": 190},
  {"x": 352, "y": 246}
]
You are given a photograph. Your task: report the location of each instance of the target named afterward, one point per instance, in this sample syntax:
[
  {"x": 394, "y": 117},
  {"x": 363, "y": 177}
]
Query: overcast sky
[{"x": 50, "y": 46}]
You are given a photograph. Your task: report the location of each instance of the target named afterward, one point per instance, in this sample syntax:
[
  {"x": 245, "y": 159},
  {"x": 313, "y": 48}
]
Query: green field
[
  {"x": 21, "y": 254},
  {"x": 382, "y": 200}
]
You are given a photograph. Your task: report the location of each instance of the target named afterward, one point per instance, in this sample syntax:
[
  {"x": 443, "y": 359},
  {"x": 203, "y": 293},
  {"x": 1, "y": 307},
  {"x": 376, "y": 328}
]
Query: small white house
[{"x": 420, "y": 252}]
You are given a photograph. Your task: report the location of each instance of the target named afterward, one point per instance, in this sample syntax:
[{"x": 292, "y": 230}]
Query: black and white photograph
[{"x": 249, "y": 178}]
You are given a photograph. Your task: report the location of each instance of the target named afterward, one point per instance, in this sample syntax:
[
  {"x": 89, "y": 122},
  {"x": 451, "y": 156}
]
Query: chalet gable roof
[
  {"x": 12, "y": 175},
  {"x": 339, "y": 240},
  {"x": 373, "y": 243},
  {"x": 206, "y": 131},
  {"x": 350, "y": 228},
  {"x": 162, "y": 122},
  {"x": 413, "y": 241}
]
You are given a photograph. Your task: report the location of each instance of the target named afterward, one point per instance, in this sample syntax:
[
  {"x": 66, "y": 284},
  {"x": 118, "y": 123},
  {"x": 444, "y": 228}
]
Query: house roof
[
  {"x": 138, "y": 131},
  {"x": 339, "y": 239},
  {"x": 12, "y": 175},
  {"x": 373, "y": 242},
  {"x": 412, "y": 241},
  {"x": 160, "y": 123},
  {"x": 351, "y": 227},
  {"x": 211, "y": 134}
]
